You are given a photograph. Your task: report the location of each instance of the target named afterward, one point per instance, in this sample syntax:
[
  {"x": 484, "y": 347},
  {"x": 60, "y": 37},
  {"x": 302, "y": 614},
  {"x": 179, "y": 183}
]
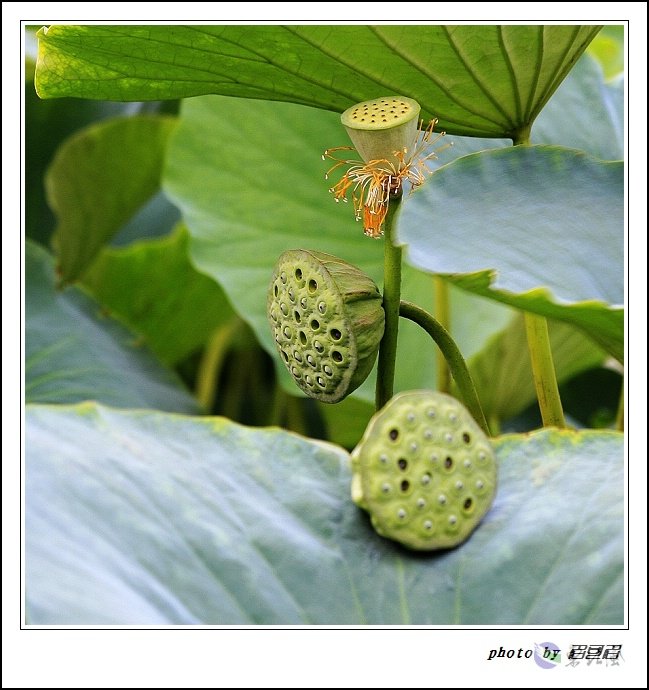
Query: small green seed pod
[
  {"x": 424, "y": 470},
  {"x": 327, "y": 320},
  {"x": 382, "y": 126}
]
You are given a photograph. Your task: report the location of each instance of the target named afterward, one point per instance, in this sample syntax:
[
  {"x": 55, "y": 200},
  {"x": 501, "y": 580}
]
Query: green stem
[
  {"x": 545, "y": 379},
  {"x": 443, "y": 316},
  {"x": 209, "y": 368},
  {"x": 391, "y": 299},
  {"x": 453, "y": 357},
  {"x": 521, "y": 137}
]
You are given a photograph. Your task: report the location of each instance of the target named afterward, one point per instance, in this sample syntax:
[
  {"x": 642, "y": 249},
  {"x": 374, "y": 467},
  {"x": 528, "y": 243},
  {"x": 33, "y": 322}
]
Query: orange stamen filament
[{"x": 372, "y": 183}]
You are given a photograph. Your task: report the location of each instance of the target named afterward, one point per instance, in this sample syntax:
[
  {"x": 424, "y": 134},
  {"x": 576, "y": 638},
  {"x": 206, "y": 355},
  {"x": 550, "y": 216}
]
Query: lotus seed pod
[
  {"x": 327, "y": 320},
  {"x": 382, "y": 126},
  {"x": 424, "y": 470}
]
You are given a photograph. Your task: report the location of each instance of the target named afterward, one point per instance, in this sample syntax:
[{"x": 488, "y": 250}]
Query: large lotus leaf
[
  {"x": 148, "y": 518},
  {"x": 538, "y": 227},
  {"x": 249, "y": 180},
  {"x": 586, "y": 113},
  {"x": 98, "y": 179},
  {"x": 485, "y": 80},
  {"x": 155, "y": 290},
  {"x": 73, "y": 353}
]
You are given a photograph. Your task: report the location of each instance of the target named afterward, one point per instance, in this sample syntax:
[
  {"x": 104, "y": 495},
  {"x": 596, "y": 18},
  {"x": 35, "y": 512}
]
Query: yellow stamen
[{"x": 372, "y": 183}]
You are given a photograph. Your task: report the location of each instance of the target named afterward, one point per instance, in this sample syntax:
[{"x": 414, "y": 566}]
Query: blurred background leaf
[
  {"x": 502, "y": 372},
  {"x": 98, "y": 179},
  {"x": 74, "y": 353},
  {"x": 153, "y": 288},
  {"x": 608, "y": 48}
]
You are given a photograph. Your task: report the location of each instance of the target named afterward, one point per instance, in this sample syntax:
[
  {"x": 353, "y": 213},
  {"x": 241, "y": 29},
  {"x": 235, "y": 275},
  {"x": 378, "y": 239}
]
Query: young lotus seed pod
[
  {"x": 381, "y": 127},
  {"x": 327, "y": 320},
  {"x": 424, "y": 470}
]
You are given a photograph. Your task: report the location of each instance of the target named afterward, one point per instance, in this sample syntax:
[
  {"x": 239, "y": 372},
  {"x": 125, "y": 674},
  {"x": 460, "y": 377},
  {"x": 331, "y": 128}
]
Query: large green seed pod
[
  {"x": 327, "y": 321},
  {"x": 382, "y": 126},
  {"x": 424, "y": 470}
]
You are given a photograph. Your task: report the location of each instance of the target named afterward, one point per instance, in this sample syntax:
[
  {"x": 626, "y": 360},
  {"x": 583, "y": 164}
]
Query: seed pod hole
[
  {"x": 405, "y": 485},
  {"x": 297, "y": 315},
  {"x": 313, "y": 285},
  {"x": 466, "y": 437},
  {"x": 448, "y": 463},
  {"x": 318, "y": 346},
  {"x": 298, "y": 356},
  {"x": 315, "y": 324},
  {"x": 403, "y": 464},
  {"x": 304, "y": 302},
  {"x": 298, "y": 273},
  {"x": 285, "y": 356},
  {"x": 322, "y": 307},
  {"x": 467, "y": 504},
  {"x": 303, "y": 339},
  {"x": 320, "y": 381},
  {"x": 283, "y": 308},
  {"x": 327, "y": 370},
  {"x": 335, "y": 334},
  {"x": 283, "y": 277},
  {"x": 336, "y": 356},
  {"x": 394, "y": 434},
  {"x": 276, "y": 290},
  {"x": 311, "y": 361}
]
